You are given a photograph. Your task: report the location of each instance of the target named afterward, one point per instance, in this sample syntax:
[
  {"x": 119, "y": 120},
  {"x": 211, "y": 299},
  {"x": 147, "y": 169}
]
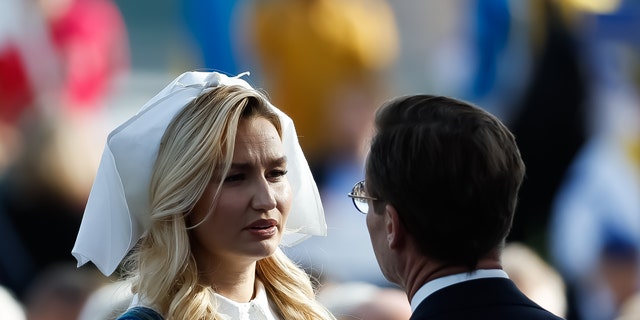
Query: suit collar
[
  {"x": 470, "y": 295},
  {"x": 436, "y": 284}
]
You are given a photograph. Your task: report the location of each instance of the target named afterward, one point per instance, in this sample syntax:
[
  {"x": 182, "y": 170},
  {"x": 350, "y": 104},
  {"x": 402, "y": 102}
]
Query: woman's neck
[{"x": 236, "y": 283}]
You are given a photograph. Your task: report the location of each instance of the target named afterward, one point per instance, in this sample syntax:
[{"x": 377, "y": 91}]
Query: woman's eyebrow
[
  {"x": 279, "y": 161},
  {"x": 240, "y": 166},
  {"x": 246, "y": 165}
]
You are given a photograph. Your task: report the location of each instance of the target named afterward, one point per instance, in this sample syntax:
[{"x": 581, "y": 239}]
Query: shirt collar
[
  {"x": 258, "y": 308},
  {"x": 436, "y": 284}
]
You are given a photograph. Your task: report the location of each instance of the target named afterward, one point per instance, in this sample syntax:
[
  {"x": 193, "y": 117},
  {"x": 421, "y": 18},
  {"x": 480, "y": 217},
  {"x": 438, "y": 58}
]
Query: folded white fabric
[{"x": 117, "y": 211}]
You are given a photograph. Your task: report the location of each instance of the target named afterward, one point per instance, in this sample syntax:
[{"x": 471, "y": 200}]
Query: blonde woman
[{"x": 198, "y": 190}]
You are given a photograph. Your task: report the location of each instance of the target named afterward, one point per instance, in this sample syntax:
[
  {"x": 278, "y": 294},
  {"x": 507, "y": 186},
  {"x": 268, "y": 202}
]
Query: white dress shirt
[{"x": 436, "y": 284}]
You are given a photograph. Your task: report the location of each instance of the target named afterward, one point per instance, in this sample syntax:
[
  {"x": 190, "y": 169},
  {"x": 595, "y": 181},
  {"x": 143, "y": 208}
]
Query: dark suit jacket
[{"x": 488, "y": 298}]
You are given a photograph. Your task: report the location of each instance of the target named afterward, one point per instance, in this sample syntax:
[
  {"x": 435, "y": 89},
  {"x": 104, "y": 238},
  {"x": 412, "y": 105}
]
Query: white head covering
[{"x": 117, "y": 212}]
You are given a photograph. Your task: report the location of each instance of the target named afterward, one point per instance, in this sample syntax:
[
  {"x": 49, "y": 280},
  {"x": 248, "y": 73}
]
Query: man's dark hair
[{"x": 451, "y": 170}]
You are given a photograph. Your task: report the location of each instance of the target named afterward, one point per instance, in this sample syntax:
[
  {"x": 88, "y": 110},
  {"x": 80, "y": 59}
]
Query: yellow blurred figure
[{"x": 324, "y": 63}]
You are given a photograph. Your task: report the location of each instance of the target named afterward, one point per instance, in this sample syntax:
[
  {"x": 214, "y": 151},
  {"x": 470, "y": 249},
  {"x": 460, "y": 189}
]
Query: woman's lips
[{"x": 263, "y": 228}]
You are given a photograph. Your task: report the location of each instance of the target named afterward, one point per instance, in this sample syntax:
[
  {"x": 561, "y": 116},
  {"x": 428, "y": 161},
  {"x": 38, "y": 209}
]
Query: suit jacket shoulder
[{"x": 488, "y": 298}]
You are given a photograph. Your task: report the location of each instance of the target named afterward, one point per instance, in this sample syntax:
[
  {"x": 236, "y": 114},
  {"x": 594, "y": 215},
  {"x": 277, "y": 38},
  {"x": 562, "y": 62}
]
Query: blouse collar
[{"x": 258, "y": 308}]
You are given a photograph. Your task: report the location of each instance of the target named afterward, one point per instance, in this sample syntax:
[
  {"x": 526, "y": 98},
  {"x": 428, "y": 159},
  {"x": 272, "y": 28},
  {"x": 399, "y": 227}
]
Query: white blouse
[{"x": 257, "y": 309}]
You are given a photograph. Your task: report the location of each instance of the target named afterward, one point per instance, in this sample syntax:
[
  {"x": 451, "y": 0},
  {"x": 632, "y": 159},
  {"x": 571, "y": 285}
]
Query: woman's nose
[{"x": 264, "y": 198}]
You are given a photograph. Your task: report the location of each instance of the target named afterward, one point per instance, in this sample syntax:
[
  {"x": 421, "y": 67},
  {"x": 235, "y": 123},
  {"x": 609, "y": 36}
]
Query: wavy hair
[{"x": 162, "y": 268}]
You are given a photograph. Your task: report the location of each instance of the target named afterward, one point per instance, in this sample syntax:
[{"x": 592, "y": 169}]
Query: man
[{"x": 442, "y": 178}]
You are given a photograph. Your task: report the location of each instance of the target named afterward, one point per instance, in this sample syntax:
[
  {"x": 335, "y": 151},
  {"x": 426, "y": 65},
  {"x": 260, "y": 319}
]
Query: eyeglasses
[{"x": 360, "y": 200}]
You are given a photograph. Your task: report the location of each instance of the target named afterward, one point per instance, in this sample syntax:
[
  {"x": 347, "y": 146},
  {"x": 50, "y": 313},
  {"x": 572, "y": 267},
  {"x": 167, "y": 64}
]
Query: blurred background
[{"x": 564, "y": 75}]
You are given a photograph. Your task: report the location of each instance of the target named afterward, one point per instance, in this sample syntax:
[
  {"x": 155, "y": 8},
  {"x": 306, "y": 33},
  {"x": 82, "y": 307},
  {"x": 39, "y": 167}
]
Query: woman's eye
[
  {"x": 234, "y": 177},
  {"x": 277, "y": 174}
]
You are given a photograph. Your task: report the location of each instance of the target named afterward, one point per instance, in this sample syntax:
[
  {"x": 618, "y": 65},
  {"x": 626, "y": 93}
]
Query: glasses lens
[
  {"x": 361, "y": 204},
  {"x": 358, "y": 189}
]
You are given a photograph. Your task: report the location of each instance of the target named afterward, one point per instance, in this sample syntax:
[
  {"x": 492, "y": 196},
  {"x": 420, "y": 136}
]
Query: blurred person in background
[
  {"x": 328, "y": 63},
  {"x": 595, "y": 229},
  {"x": 352, "y": 300},
  {"x": 594, "y": 233},
  {"x": 60, "y": 292},
  {"x": 28, "y": 73},
  {"x": 211, "y": 28},
  {"x": 107, "y": 302},
  {"x": 19, "y": 24},
  {"x": 42, "y": 195},
  {"x": 71, "y": 53},
  {"x": 536, "y": 278},
  {"x": 548, "y": 118},
  {"x": 91, "y": 43},
  {"x": 630, "y": 309},
  {"x": 525, "y": 66}
]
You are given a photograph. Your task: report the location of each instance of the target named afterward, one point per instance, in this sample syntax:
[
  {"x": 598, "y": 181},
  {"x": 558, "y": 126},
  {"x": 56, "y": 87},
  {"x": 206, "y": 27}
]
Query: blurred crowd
[
  {"x": 564, "y": 75},
  {"x": 59, "y": 62}
]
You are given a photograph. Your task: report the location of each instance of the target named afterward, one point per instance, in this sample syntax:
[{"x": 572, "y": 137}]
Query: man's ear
[{"x": 396, "y": 232}]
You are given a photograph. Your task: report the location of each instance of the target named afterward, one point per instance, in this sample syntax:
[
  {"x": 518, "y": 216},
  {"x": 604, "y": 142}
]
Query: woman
[{"x": 209, "y": 176}]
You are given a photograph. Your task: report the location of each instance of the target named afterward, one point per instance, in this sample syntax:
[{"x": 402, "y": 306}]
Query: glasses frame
[{"x": 360, "y": 201}]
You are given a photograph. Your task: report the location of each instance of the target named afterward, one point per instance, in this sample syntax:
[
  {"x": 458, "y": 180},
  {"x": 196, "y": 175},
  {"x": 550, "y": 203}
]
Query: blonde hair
[{"x": 197, "y": 143}]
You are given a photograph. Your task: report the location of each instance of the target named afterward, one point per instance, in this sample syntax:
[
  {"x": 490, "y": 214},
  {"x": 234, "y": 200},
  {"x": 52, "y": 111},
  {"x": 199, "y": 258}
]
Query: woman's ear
[{"x": 396, "y": 232}]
